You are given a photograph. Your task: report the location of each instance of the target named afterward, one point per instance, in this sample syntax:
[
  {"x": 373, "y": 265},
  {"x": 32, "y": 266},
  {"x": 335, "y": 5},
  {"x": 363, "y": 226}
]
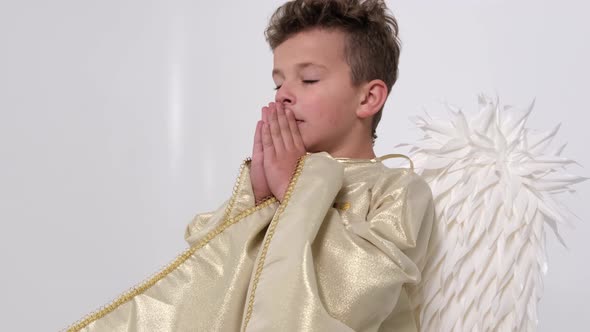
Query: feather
[{"x": 494, "y": 186}]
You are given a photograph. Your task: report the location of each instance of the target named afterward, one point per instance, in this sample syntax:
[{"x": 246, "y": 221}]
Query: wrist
[{"x": 260, "y": 199}]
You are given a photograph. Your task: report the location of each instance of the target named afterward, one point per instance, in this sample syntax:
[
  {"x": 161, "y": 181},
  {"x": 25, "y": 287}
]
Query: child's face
[{"x": 326, "y": 108}]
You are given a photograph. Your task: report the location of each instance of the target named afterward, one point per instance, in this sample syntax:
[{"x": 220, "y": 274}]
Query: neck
[
  {"x": 357, "y": 144},
  {"x": 359, "y": 155},
  {"x": 361, "y": 150}
]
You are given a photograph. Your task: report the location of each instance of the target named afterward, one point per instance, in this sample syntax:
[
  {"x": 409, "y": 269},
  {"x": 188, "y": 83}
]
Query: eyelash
[{"x": 304, "y": 81}]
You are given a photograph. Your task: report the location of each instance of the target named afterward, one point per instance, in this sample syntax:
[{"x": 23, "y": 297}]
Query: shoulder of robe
[
  {"x": 399, "y": 185},
  {"x": 392, "y": 179}
]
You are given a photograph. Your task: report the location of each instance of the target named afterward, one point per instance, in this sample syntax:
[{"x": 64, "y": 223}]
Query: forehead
[{"x": 317, "y": 46}]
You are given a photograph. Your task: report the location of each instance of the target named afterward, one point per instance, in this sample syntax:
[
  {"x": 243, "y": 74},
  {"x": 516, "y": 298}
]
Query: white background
[{"x": 121, "y": 120}]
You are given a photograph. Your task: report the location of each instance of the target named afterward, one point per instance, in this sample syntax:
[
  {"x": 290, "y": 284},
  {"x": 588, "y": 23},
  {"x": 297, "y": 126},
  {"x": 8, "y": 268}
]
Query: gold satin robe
[{"x": 336, "y": 255}]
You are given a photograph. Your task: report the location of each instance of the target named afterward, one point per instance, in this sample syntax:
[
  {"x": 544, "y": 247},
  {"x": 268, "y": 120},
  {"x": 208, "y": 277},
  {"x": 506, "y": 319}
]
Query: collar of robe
[{"x": 376, "y": 160}]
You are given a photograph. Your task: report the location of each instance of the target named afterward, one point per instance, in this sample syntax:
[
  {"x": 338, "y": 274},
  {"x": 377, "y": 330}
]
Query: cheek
[
  {"x": 325, "y": 121},
  {"x": 320, "y": 108},
  {"x": 326, "y": 117},
  {"x": 333, "y": 114},
  {"x": 324, "y": 110}
]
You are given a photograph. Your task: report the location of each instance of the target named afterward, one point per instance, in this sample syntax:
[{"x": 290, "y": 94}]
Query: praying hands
[{"x": 277, "y": 147}]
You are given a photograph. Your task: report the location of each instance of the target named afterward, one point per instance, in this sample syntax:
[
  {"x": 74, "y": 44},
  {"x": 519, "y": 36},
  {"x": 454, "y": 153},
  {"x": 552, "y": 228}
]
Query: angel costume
[
  {"x": 357, "y": 246},
  {"x": 338, "y": 254}
]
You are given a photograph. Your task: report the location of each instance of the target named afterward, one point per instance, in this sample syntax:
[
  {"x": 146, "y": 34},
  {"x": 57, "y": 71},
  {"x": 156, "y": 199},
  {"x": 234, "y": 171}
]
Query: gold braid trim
[
  {"x": 271, "y": 231},
  {"x": 180, "y": 259}
]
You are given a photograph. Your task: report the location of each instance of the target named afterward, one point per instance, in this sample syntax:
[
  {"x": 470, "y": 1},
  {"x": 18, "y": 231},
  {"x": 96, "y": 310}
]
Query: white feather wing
[{"x": 494, "y": 186}]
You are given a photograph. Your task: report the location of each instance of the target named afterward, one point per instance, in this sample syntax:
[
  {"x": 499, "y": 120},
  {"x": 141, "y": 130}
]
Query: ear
[{"x": 372, "y": 98}]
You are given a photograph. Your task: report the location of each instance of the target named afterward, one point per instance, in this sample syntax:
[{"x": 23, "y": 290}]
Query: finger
[
  {"x": 257, "y": 150},
  {"x": 267, "y": 143},
  {"x": 296, "y": 135},
  {"x": 275, "y": 130},
  {"x": 284, "y": 126},
  {"x": 265, "y": 114}
]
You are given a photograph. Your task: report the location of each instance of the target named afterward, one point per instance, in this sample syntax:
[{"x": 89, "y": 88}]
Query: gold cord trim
[
  {"x": 181, "y": 258},
  {"x": 375, "y": 160},
  {"x": 397, "y": 155},
  {"x": 271, "y": 231}
]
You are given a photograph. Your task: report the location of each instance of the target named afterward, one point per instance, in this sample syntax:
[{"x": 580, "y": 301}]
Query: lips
[{"x": 296, "y": 118}]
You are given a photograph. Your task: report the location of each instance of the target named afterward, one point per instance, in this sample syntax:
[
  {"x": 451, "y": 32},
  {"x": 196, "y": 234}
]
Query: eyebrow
[{"x": 299, "y": 66}]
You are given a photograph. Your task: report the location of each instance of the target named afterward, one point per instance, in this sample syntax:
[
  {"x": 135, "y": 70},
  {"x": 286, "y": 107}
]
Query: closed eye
[
  {"x": 310, "y": 81},
  {"x": 304, "y": 81}
]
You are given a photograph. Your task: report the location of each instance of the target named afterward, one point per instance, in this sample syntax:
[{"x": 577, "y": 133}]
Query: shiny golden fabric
[{"x": 336, "y": 255}]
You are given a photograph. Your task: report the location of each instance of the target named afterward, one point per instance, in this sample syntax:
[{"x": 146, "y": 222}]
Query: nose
[{"x": 284, "y": 95}]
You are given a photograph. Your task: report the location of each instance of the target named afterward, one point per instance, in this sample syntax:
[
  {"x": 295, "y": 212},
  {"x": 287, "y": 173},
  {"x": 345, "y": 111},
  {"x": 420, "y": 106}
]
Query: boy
[{"x": 318, "y": 235}]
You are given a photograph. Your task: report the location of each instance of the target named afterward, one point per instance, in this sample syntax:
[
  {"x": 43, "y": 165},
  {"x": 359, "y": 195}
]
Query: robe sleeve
[
  {"x": 400, "y": 225},
  {"x": 204, "y": 287},
  {"x": 284, "y": 294},
  {"x": 242, "y": 199}
]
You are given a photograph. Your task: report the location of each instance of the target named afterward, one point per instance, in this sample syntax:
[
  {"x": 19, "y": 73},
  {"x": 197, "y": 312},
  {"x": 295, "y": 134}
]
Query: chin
[{"x": 311, "y": 147}]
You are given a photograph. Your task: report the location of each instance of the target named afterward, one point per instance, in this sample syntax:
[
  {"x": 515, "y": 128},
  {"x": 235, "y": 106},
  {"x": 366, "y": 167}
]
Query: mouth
[{"x": 296, "y": 119}]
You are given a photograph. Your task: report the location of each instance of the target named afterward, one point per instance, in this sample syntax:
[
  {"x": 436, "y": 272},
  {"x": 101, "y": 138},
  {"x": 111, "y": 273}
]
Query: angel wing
[{"x": 495, "y": 188}]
